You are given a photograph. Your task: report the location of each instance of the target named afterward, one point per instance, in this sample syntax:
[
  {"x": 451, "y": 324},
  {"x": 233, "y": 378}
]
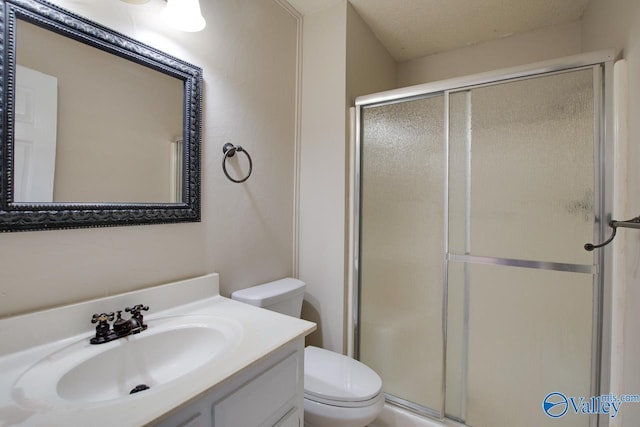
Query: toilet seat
[
  {"x": 339, "y": 404},
  {"x": 337, "y": 380}
]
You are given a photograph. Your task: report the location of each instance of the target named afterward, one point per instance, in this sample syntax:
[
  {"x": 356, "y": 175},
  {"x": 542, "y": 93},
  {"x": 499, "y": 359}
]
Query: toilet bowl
[{"x": 338, "y": 391}]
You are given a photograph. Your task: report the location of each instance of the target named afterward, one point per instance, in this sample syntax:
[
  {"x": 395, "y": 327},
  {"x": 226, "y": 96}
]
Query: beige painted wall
[
  {"x": 342, "y": 59},
  {"x": 616, "y": 24},
  {"x": 539, "y": 45},
  {"x": 248, "y": 56},
  {"x": 370, "y": 68},
  {"x": 322, "y": 173}
]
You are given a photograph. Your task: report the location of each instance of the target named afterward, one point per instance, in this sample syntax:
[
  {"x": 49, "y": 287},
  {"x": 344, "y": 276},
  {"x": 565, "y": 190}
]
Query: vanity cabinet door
[{"x": 266, "y": 401}]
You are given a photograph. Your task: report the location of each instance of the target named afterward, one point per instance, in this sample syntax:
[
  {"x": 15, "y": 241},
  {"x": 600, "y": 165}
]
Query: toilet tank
[{"x": 284, "y": 296}]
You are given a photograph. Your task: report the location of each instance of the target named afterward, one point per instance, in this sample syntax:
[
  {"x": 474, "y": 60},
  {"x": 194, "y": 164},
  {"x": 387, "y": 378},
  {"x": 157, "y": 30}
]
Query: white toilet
[{"x": 338, "y": 391}]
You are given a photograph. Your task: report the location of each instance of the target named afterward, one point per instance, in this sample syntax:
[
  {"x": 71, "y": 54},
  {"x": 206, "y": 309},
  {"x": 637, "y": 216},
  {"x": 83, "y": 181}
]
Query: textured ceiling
[{"x": 413, "y": 28}]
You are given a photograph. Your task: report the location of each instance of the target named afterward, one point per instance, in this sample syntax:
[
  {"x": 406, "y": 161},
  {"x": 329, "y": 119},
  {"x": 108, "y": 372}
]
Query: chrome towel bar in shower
[
  {"x": 230, "y": 150},
  {"x": 632, "y": 223}
]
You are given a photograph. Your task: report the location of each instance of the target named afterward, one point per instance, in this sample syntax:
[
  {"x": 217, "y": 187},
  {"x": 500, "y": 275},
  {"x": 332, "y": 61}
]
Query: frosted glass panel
[
  {"x": 459, "y": 171},
  {"x": 402, "y": 244},
  {"x": 529, "y": 145},
  {"x": 529, "y": 335},
  {"x": 457, "y": 331}
]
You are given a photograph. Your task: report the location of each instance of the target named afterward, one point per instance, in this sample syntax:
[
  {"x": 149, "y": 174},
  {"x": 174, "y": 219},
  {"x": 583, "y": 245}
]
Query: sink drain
[{"x": 141, "y": 387}]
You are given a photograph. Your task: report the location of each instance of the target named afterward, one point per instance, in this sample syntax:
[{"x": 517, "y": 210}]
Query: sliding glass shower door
[
  {"x": 521, "y": 286},
  {"x": 476, "y": 298}
]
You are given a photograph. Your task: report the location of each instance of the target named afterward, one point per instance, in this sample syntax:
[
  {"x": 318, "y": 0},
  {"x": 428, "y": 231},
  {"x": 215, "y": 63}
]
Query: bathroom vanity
[
  {"x": 204, "y": 360},
  {"x": 267, "y": 394}
]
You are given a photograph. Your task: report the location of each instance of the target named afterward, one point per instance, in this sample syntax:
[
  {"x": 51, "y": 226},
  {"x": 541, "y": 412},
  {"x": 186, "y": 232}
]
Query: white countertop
[{"x": 24, "y": 343}]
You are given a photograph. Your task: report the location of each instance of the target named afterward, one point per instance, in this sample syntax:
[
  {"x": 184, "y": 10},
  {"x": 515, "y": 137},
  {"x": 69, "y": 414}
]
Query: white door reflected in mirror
[{"x": 36, "y": 116}]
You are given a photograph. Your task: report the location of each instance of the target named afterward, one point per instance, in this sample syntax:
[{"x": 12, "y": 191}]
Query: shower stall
[{"x": 474, "y": 295}]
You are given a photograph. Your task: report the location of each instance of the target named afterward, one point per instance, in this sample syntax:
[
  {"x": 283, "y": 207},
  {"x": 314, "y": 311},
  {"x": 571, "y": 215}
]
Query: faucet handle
[
  {"x": 136, "y": 309},
  {"x": 102, "y": 318},
  {"x": 102, "y": 328},
  {"x": 137, "y": 317}
]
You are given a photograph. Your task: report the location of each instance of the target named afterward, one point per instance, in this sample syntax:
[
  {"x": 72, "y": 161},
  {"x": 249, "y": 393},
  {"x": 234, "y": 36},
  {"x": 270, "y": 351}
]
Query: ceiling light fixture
[{"x": 184, "y": 15}]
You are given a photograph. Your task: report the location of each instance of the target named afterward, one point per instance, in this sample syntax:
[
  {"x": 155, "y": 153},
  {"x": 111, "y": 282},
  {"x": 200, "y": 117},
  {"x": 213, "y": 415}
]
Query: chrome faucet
[{"x": 121, "y": 327}]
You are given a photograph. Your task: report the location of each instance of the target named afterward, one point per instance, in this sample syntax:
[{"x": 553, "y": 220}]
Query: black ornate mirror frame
[{"x": 44, "y": 216}]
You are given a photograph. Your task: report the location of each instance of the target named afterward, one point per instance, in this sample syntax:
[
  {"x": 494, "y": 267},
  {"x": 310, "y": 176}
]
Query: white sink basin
[{"x": 169, "y": 349}]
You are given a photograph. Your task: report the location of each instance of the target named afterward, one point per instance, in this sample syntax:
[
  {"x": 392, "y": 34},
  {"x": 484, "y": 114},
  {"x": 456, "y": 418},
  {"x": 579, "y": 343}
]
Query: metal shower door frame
[{"x": 602, "y": 64}]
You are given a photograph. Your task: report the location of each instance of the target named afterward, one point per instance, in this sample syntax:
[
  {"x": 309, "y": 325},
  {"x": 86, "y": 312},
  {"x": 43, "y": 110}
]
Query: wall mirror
[{"x": 97, "y": 129}]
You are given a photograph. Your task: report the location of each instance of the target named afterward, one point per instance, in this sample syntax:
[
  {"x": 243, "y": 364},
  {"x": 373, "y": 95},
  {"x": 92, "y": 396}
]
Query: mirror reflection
[{"x": 92, "y": 127}]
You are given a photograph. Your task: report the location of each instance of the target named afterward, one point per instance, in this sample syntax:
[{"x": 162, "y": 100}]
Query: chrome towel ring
[{"x": 230, "y": 150}]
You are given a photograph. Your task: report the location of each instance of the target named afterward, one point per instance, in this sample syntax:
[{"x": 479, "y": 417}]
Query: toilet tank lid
[{"x": 269, "y": 293}]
